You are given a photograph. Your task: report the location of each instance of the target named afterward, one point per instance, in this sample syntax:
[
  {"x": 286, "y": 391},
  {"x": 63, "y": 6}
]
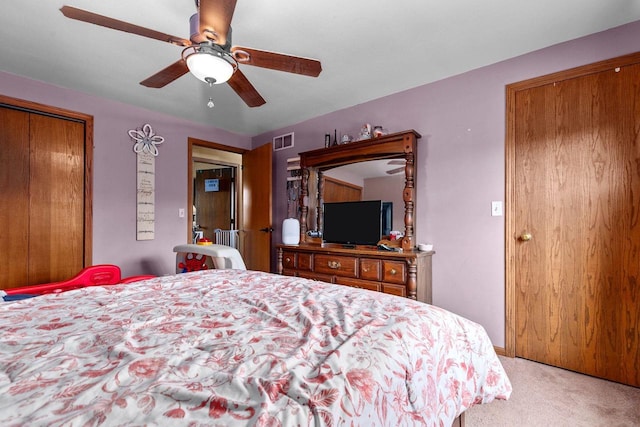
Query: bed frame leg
[{"x": 458, "y": 422}]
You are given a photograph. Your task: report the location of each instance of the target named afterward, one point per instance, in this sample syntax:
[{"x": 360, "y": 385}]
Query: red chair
[{"x": 96, "y": 275}]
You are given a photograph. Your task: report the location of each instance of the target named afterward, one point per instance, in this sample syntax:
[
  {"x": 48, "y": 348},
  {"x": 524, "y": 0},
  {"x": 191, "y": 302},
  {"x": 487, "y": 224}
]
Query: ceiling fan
[
  {"x": 208, "y": 53},
  {"x": 398, "y": 169}
]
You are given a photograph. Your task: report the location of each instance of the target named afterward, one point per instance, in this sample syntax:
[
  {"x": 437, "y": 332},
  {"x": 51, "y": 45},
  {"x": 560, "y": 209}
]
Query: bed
[{"x": 236, "y": 348}]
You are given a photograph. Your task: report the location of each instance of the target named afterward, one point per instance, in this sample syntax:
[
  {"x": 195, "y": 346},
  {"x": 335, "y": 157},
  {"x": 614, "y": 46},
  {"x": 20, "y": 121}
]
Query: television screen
[{"x": 353, "y": 223}]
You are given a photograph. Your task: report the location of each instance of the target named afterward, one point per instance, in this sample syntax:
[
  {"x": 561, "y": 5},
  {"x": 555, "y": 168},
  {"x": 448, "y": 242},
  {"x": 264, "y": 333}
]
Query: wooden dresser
[{"x": 406, "y": 274}]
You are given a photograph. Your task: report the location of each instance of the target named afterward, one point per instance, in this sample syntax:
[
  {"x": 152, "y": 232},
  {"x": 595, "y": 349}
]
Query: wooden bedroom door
[
  {"x": 43, "y": 210},
  {"x": 576, "y": 220},
  {"x": 257, "y": 198}
]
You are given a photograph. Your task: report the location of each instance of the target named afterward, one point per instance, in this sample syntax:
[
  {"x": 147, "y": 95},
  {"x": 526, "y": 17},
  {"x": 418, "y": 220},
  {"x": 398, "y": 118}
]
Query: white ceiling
[{"x": 368, "y": 49}]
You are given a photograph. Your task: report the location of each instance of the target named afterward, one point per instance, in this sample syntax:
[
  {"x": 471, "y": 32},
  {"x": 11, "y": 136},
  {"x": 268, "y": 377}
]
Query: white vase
[{"x": 291, "y": 231}]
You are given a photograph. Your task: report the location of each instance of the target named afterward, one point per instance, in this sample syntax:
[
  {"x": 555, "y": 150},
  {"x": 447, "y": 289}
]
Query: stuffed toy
[{"x": 193, "y": 262}]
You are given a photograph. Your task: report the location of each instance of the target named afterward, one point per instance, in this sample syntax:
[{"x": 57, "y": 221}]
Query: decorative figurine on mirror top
[
  {"x": 335, "y": 137},
  {"x": 365, "y": 132}
]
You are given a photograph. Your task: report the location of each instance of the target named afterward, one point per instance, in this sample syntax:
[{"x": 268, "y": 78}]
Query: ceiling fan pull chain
[{"x": 210, "y": 104}]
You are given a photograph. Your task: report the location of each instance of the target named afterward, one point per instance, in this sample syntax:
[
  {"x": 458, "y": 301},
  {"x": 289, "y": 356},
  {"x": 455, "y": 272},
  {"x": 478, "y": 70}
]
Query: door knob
[
  {"x": 266, "y": 230},
  {"x": 525, "y": 237}
]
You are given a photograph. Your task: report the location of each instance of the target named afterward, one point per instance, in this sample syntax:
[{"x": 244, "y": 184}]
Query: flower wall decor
[
  {"x": 146, "y": 140},
  {"x": 145, "y": 147}
]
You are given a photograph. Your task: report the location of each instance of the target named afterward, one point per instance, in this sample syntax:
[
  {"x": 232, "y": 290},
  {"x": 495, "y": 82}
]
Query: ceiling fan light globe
[{"x": 209, "y": 67}]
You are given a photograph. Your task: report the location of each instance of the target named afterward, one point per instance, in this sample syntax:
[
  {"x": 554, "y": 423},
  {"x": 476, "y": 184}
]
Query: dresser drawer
[
  {"x": 370, "y": 269},
  {"x": 289, "y": 260},
  {"x": 335, "y": 264},
  {"x": 305, "y": 261},
  {"x": 398, "y": 290},
  {"x": 394, "y": 272},
  {"x": 314, "y": 276},
  {"x": 355, "y": 283}
]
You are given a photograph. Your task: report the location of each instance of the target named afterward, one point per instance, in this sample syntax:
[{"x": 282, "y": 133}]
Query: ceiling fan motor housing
[
  {"x": 194, "y": 29},
  {"x": 197, "y": 37}
]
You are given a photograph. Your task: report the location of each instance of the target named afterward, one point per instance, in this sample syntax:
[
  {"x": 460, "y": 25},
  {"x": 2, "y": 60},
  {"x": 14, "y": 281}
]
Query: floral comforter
[{"x": 234, "y": 348}]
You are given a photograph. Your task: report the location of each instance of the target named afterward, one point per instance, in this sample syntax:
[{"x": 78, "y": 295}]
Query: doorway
[
  {"x": 573, "y": 227},
  {"x": 214, "y": 202},
  {"x": 230, "y": 189}
]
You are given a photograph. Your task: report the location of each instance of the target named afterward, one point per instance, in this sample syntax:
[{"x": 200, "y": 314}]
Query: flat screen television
[{"x": 353, "y": 223}]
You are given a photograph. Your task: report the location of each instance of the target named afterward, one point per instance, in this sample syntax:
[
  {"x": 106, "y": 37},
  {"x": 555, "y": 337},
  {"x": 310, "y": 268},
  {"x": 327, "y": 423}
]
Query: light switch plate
[{"x": 496, "y": 208}]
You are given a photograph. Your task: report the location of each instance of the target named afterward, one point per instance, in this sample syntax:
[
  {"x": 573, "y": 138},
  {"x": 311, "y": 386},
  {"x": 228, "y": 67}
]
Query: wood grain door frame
[
  {"x": 190, "y": 173},
  {"x": 511, "y": 234},
  {"x": 87, "y": 120},
  {"x": 244, "y": 212}
]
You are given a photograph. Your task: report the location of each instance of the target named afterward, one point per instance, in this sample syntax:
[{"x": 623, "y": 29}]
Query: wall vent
[{"x": 283, "y": 141}]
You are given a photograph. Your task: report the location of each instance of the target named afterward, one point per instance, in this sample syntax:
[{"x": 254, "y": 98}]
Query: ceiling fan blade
[
  {"x": 277, "y": 61},
  {"x": 103, "y": 21},
  {"x": 215, "y": 19},
  {"x": 245, "y": 90},
  {"x": 394, "y": 171},
  {"x": 167, "y": 75}
]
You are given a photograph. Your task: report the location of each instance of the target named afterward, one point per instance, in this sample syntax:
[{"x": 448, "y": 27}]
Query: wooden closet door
[
  {"x": 14, "y": 201},
  {"x": 340, "y": 191},
  {"x": 577, "y": 195},
  {"x": 56, "y": 205}
]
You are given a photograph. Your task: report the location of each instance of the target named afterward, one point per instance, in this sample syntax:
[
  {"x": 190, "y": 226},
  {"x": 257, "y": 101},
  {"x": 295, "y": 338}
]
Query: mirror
[
  {"x": 370, "y": 180},
  {"x": 395, "y": 152}
]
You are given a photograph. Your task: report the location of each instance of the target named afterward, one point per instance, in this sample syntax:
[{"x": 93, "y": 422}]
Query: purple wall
[
  {"x": 460, "y": 165},
  {"x": 114, "y": 174}
]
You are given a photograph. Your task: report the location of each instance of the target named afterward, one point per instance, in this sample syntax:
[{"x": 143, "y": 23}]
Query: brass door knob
[{"x": 525, "y": 237}]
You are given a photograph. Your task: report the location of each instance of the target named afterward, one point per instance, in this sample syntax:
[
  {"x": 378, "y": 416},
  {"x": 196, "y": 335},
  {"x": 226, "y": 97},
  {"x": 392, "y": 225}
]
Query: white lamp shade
[{"x": 205, "y": 65}]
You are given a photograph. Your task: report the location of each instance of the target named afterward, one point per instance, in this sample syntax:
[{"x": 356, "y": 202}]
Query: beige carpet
[{"x": 547, "y": 396}]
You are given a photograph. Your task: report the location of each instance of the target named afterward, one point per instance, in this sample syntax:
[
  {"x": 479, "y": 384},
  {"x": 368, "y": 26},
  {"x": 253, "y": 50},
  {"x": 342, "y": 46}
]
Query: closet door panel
[
  {"x": 14, "y": 198},
  {"x": 56, "y": 244}
]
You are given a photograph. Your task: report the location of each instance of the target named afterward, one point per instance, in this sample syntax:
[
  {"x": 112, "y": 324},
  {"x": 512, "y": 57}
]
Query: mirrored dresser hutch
[{"x": 406, "y": 272}]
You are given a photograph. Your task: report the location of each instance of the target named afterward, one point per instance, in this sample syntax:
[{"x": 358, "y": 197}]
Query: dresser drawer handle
[
  {"x": 393, "y": 272},
  {"x": 287, "y": 259},
  {"x": 333, "y": 264}
]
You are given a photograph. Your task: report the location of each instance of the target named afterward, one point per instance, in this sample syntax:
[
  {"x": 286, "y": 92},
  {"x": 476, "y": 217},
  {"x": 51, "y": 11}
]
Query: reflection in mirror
[{"x": 370, "y": 180}]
